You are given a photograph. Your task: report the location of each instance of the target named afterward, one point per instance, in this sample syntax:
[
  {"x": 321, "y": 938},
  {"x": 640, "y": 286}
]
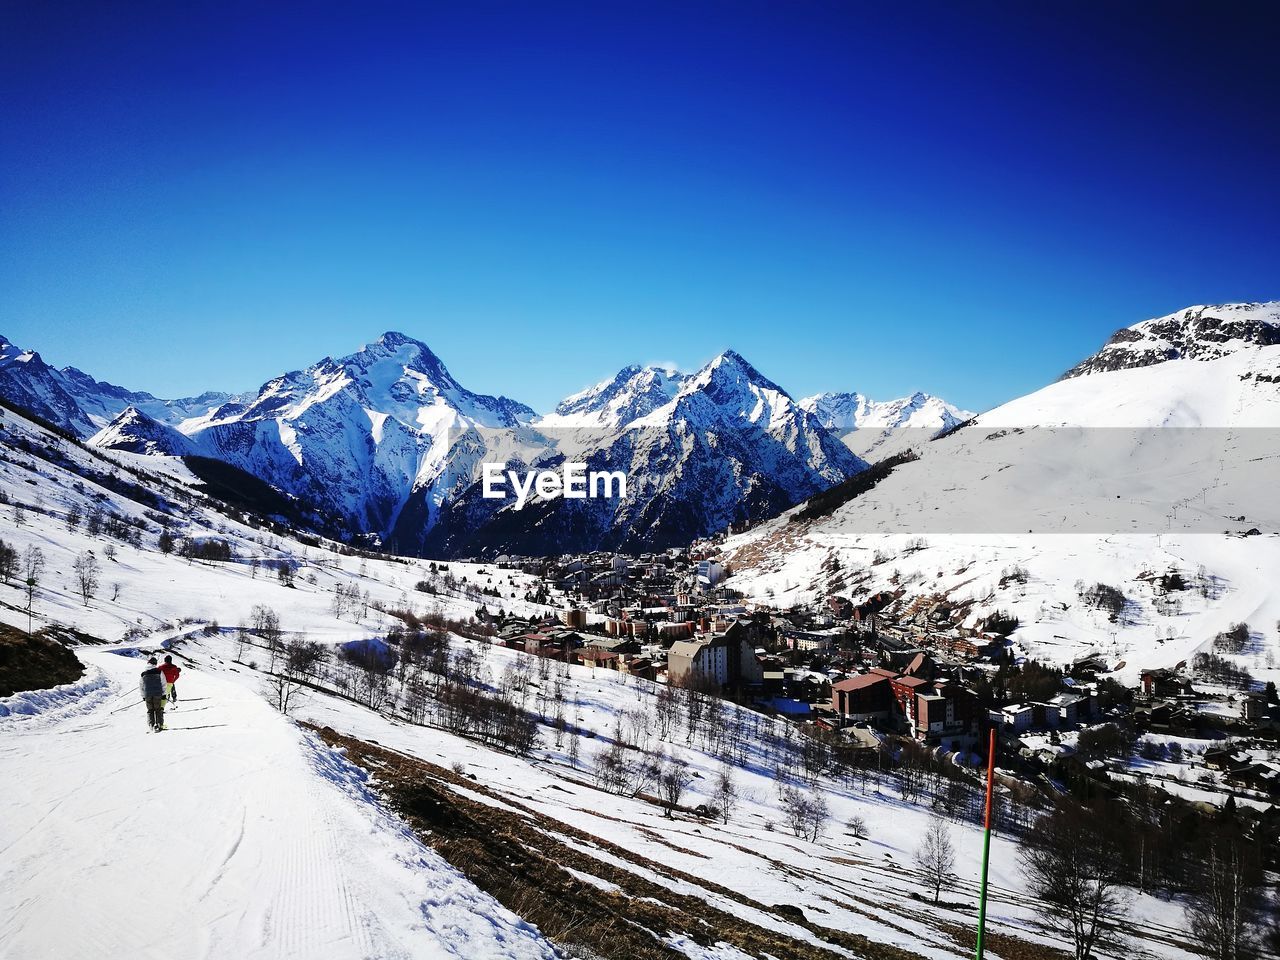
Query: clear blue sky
[{"x": 963, "y": 198}]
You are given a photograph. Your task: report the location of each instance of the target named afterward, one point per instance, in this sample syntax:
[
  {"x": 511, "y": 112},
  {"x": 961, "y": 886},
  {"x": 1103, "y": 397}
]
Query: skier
[
  {"x": 152, "y": 686},
  {"x": 171, "y": 671}
]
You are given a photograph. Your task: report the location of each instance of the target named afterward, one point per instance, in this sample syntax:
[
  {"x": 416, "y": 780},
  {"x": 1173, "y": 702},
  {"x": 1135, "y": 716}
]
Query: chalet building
[
  {"x": 928, "y": 710},
  {"x": 841, "y": 607},
  {"x": 595, "y": 657},
  {"x": 623, "y": 646},
  {"x": 643, "y": 668},
  {"x": 808, "y": 642}
]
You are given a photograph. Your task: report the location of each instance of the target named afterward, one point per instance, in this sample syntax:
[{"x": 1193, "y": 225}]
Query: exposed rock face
[{"x": 1196, "y": 333}]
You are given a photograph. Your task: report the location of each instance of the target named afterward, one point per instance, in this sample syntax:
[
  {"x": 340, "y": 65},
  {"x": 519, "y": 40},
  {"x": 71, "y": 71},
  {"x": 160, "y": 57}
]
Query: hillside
[{"x": 1112, "y": 475}]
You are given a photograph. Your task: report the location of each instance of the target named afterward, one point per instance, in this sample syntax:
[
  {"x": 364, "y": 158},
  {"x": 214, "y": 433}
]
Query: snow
[{"x": 231, "y": 834}]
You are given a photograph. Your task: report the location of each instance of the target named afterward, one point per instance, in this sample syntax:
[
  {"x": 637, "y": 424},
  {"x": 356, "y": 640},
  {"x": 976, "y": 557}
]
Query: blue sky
[{"x": 961, "y": 198}]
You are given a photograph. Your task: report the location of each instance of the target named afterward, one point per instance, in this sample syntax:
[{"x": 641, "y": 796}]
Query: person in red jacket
[{"x": 171, "y": 671}]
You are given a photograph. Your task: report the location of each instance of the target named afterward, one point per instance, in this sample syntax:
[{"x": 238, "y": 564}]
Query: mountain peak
[
  {"x": 731, "y": 368},
  {"x": 10, "y": 351},
  {"x": 405, "y": 350},
  {"x": 136, "y": 431},
  {"x": 732, "y": 358},
  {"x": 633, "y": 392},
  {"x": 394, "y": 338},
  {"x": 1201, "y": 332},
  {"x": 844, "y": 412}
]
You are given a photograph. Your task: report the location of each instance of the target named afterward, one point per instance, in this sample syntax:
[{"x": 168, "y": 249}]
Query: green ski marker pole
[{"x": 986, "y": 840}]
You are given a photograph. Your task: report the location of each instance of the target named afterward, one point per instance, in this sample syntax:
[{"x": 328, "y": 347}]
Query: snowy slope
[
  {"x": 1118, "y": 473},
  {"x": 51, "y": 477},
  {"x": 850, "y": 887},
  {"x": 231, "y": 834}
]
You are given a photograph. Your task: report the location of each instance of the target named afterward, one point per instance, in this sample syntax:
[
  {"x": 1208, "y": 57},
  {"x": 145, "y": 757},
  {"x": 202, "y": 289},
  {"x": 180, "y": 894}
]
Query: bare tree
[
  {"x": 32, "y": 571},
  {"x": 86, "y": 570},
  {"x": 282, "y": 692},
  {"x": 302, "y": 658},
  {"x": 266, "y": 622},
  {"x": 574, "y": 747},
  {"x": 666, "y": 704},
  {"x": 1071, "y": 864},
  {"x": 806, "y": 811},
  {"x": 936, "y": 857},
  {"x": 1223, "y": 911},
  {"x": 8, "y": 562},
  {"x": 674, "y": 779},
  {"x": 725, "y": 793}
]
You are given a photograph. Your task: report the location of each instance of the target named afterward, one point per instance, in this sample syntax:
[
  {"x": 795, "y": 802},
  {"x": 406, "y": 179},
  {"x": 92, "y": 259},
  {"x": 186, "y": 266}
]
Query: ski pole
[{"x": 127, "y": 706}]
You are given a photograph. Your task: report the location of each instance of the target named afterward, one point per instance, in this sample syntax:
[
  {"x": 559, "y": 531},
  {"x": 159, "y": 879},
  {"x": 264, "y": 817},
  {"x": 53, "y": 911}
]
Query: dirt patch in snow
[{"x": 519, "y": 857}]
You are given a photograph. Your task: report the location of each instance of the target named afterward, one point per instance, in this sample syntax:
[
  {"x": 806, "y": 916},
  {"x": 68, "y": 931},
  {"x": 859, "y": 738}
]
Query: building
[
  {"x": 726, "y": 660},
  {"x": 709, "y": 573},
  {"x": 945, "y": 710},
  {"x": 864, "y": 697},
  {"x": 1015, "y": 718}
]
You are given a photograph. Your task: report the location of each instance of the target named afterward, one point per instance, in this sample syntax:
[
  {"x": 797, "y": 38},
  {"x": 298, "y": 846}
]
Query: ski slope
[{"x": 231, "y": 834}]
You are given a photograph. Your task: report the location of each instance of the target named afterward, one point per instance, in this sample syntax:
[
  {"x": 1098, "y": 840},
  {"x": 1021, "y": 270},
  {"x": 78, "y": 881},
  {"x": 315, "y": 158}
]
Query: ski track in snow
[{"x": 234, "y": 834}]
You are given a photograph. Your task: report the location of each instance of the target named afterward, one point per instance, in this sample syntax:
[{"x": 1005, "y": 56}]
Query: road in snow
[{"x": 232, "y": 834}]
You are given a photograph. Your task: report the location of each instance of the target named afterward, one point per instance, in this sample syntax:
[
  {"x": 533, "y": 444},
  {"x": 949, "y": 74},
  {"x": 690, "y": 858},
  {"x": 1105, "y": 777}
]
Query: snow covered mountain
[
  {"x": 729, "y": 447},
  {"x": 74, "y": 400},
  {"x": 357, "y": 437},
  {"x": 635, "y": 392},
  {"x": 876, "y": 429},
  {"x": 134, "y": 432},
  {"x": 387, "y": 440},
  {"x": 854, "y": 411},
  {"x": 1196, "y": 333},
  {"x": 1161, "y": 462}
]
